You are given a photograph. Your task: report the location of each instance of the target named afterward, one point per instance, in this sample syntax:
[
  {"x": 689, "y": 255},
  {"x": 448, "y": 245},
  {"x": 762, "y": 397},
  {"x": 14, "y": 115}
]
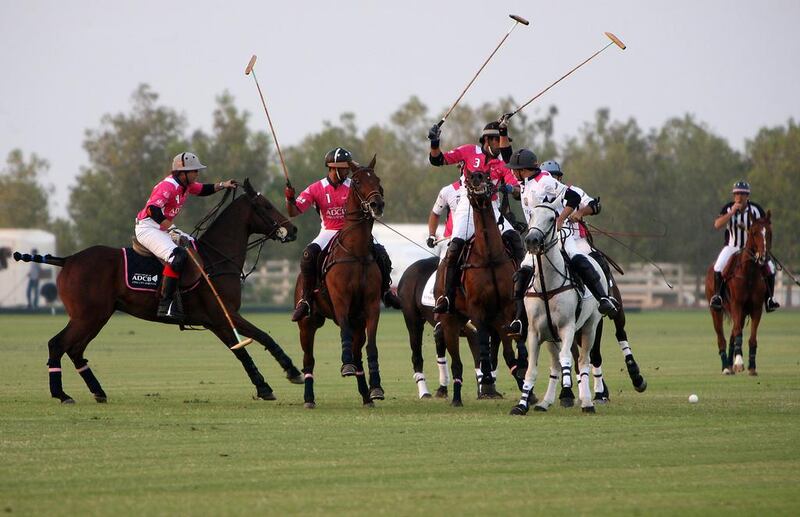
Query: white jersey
[
  {"x": 447, "y": 198},
  {"x": 540, "y": 189}
]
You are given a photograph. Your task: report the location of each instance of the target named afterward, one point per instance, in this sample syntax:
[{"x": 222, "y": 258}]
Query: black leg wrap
[
  {"x": 308, "y": 390},
  {"x": 262, "y": 388},
  {"x": 93, "y": 384}
]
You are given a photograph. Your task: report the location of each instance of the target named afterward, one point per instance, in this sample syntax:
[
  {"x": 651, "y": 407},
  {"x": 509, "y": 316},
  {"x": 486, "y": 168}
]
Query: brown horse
[
  {"x": 742, "y": 296},
  {"x": 93, "y": 286},
  {"x": 484, "y": 302},
  {"x": 350, "y": 290}
]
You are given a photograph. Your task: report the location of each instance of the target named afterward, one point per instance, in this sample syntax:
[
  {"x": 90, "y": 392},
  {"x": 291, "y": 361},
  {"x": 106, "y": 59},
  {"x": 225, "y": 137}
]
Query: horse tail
[{"x": 46, "y": 259}]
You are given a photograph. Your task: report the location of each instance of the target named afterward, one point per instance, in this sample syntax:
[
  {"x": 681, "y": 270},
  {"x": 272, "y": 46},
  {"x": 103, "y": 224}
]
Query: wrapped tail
[{"x": 46, "y": 259}]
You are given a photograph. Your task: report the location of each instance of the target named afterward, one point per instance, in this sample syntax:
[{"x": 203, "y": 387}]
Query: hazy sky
[{"x": 65, "y": 64}]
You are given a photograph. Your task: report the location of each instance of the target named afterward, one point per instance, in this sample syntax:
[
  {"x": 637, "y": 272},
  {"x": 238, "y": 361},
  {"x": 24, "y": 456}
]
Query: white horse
[{"x": 551, "y": 303}]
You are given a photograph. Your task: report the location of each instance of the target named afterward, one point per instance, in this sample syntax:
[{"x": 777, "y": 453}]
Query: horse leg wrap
[
  {"x": 444, "y": 373},
  {"x": 625, "y": 347},
  {"x": 54, "y": 373},
  {"x": 374, "y": 372},
  {"x": 252, "y": 370},
  {"x": 91, "y": 381},
  {"x": 308, "y": 387},
  {"x": 751, "y": 357},
  {"x": 566, "y": 376},
  {"x": 598, "y": 379},
  {"x": 422, "y": 385}
]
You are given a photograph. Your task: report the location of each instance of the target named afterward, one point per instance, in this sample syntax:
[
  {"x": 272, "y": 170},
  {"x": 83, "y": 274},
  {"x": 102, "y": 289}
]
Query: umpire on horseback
[
  {"x": 736, "y": 217},
  {"x": 154, "y": 222},
  {"x": 329, "y": 197}
]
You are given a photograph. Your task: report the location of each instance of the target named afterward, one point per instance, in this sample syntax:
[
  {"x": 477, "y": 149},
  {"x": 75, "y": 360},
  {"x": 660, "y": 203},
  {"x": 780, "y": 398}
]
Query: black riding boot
[
  {"x": 514, "y": 242},
  {"x": 518, "y": 328},
  {"x": 385, "y": 265},
  {"x": 603, "y": 263},
  {"x": 170, "y": 305},
  {"x": 716, "y": 300},
  {"x": 308, "y": 269},
  {"x": 771, "y": 304},
  {"x": 446, "y": 303},
  {"x": 581, "y": 265}
]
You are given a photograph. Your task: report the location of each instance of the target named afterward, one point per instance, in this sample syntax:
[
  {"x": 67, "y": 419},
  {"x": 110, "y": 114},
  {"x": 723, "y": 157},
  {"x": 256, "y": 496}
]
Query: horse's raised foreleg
[
  {"x": 635, "y": 374},
  {"x": 249, "y": 330},
  {"x": 716, "y": 319},
  {"x": 307, "y": 331},
  {"x": 263, "y": 389}
]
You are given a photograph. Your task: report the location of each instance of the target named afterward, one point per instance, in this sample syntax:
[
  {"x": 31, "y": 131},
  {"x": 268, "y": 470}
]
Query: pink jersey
[
  {"x": 169, "y": 196},
  {"x": 328, "y": 200},
  {"x": 472, "y": 158},
  {"x": 448, "y": 197}
]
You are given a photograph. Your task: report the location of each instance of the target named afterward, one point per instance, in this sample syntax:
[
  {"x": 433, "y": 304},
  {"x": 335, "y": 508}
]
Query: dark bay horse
[
  {"x": 92, "y": 285},
  {"x": 742, "y": 297},
  {"x": 484, "y": 301},
  {"x": 350, "y": 290},
  {"x": 415, "y": 314}
]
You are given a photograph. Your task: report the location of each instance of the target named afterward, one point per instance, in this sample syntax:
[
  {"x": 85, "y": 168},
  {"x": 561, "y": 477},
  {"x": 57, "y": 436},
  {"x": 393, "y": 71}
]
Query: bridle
[
  {"x": 549, "y": 238},
  {"x": 365, "y": 213}
]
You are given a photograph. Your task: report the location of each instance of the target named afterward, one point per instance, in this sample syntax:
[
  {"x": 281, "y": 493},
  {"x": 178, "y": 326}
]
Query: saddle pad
[
  {"x": 428, "y": 299},
  {"x": 141, "y": 273}
]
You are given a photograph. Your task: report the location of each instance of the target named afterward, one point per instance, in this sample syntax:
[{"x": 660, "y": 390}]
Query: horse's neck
[
  {"x": 357, "y": 233},
  {"x": 488, "y": 241},
  {"x": 227, "y": 235},
  {"x": 553, "y": 269}
]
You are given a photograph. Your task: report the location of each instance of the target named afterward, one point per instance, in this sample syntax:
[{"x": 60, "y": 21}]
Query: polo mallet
[
  {"x": 241, "y": 342},
  {"x": 614, "y": 41},
  {"x": 517, "y": 20},
  {"x": 248, "y": 71}
]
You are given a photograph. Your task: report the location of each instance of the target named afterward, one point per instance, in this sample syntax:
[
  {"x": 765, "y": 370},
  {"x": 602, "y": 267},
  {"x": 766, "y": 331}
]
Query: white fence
[{"x": 642, "y": 286}]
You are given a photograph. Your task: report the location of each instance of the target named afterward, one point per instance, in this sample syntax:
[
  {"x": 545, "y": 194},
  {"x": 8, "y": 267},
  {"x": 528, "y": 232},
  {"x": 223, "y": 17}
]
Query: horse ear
[
  {"x": 248, "y": 188},
  {"x": 769, "y": 216},
  {"x": 372, "y": 162}
]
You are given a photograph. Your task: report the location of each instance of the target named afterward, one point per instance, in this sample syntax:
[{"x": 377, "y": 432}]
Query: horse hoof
[
  {"x": 310, "y": 405},
  {"x": 519, "y": 410},
  {"x": 641, "y": 387},
  {"x": 588, "y": 410},
  {"x": 348, "y": 370},
  {"x": 295, "y": 379},
  {"x": 727, "y": 371},
  {"x": 426, "y": 396},
  {"x": 369, "y": 404},
  {"x": 566, "y": 402},
  {"x": 68, "y": 401},
  {"x": 441, "y": 393},
  {"x": 540, "y": 409},
  {"x": 376, "y": 394},
  {"x": 265, "y": 396},
  {"x": 457, "y": 403},
  {"x": 101, "y": 399},
  {"x": 752, "y": 372},
  {"x": 600, "y": 398}
]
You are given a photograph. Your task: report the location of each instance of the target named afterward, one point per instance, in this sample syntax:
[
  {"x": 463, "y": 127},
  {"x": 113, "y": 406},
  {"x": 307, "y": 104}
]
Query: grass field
[{"x": 182, "y": 435}]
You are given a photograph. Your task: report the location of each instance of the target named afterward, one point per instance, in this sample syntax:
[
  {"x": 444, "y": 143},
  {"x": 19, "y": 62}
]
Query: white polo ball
[{"x": 693, "y": 399}]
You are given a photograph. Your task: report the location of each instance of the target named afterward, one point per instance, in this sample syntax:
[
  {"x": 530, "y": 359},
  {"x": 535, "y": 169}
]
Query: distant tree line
[{"x": 660, "y": 188}]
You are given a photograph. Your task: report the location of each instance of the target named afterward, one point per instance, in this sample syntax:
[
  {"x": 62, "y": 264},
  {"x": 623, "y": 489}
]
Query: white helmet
[{"x": 187, "y": 162}]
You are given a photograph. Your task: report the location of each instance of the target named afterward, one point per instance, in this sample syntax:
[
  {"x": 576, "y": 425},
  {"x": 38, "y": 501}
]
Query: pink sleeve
[
  {"x": 306, "y": 199},
  {"x": 454, "y": 156},
  {"x": 194, "y": 188},
  {"x": 508, "y": 176}
]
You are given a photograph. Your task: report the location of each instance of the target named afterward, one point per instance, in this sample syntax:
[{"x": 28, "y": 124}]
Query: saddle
[{"x": 144, "y": 271}]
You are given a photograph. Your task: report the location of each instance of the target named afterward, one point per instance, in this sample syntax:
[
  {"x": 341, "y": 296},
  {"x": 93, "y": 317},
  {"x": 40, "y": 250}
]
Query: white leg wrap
[
  {"x": 444, "y": 373},
  {"x": 598, "y": 379},
  {"x": 625, "y": 347}
]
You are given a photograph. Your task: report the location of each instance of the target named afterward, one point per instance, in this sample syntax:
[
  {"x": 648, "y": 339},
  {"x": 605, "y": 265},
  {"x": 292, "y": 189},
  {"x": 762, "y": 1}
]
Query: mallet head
[
  {"x": 618, "y": 42},
  {"x": 252, "y": 63},
  {"x": 520, "y": 19}
]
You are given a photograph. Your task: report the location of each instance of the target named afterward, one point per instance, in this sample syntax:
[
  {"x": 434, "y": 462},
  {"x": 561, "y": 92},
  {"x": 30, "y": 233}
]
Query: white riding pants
[
  {"x": 151, "y": 236},
  {"x": 463, "y": 223},
  {"x": 725, "y": 255}
]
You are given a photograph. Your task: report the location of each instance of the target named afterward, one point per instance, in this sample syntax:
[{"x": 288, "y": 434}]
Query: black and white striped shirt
[{"x": 736, "y": 230}]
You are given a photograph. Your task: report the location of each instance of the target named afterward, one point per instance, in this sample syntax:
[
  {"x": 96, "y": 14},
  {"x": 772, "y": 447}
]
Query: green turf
[{"x": 182, "y": 435}]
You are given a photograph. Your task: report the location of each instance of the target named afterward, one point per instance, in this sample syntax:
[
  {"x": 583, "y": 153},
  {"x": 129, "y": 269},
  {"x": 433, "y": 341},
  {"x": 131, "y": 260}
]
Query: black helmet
[
  {"x": 338, "y": 158},
  {"x": 553, "y": 168},
  {"x": 491, "y": 129},
  {"x": 741, "y": 187},
  {"x": 524, "y": 159}
]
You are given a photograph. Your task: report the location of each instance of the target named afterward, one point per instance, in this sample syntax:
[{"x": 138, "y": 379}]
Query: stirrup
[
  {"x": 607, "y": 307},
  {"x": 772, "y": 305},
  {"x": 302, "y": 310},
  {"x": 514, "y": 329},
  {"x": 169, "y": 310},
  {"x": 442, "y": 305},
  {"x": 715, "y": 302}
]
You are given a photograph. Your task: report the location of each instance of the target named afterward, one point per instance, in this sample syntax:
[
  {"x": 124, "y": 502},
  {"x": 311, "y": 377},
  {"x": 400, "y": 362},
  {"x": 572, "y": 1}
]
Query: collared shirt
[
  {"x": 169, "y": 196},
  {"x": 329, "y": 201}
]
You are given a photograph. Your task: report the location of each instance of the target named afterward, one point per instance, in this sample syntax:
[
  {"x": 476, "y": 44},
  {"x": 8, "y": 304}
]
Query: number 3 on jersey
[{"x": 477, "y": 162}]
